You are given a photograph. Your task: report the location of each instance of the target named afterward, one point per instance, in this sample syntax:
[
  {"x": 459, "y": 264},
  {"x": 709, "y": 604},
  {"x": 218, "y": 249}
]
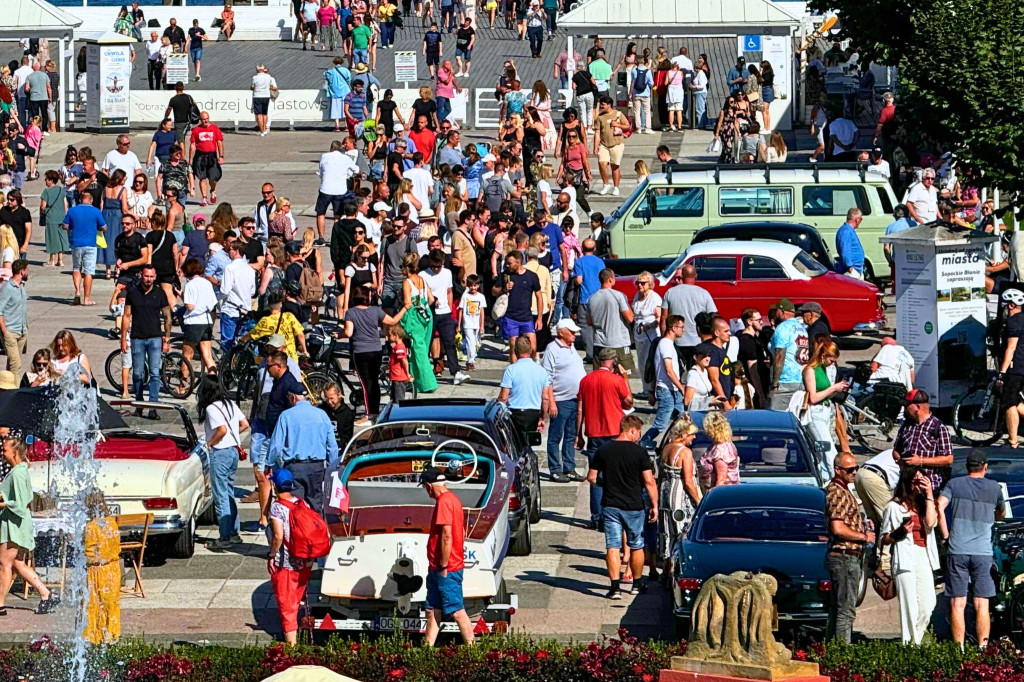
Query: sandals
[{"x": 1014, "y": 444}]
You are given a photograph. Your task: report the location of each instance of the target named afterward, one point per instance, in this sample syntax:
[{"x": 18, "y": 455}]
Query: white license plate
[{"x": 389, "y": 624}]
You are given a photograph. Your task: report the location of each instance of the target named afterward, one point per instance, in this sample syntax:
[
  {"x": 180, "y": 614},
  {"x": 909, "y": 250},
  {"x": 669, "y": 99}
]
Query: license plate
[{"x": 390, "y": 624}]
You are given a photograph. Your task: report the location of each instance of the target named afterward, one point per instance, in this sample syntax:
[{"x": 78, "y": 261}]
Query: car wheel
[
  {"x": 522, "y": 542},
  {"x": 209, "y": 516},
  {"x": 535, "y": 505},
  {"x": 681, "y": 628},
  {"x": 185, "y": 544}
]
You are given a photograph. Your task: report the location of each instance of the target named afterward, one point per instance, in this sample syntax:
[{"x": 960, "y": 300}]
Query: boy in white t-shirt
[{"x": 471, "y": 318}]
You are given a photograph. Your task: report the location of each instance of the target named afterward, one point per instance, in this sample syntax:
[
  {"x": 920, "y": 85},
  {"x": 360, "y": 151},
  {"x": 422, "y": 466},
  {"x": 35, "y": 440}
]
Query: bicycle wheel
[
  {"x": 977, "y": 419},
  {"x": 236, "y": 372},
  {"x": 316, "y": 384},
  {"x": 113, "y": 367},
  {"x": 875, "y": 421},
  {"x": 176, "y": 375}
]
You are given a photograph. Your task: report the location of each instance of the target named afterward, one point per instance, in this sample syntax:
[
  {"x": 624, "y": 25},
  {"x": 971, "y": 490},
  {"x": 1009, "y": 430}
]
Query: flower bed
[{"x": 510, "y": 658}]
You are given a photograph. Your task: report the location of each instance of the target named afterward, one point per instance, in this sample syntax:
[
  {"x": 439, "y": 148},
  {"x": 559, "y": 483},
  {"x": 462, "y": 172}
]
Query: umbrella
[
  {"x": 308, "y": 673},
  {"x": 33, "y": 411}
]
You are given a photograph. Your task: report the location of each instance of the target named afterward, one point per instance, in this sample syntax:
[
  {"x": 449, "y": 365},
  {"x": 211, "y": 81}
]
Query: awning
[{"x": 680, "y": 17}]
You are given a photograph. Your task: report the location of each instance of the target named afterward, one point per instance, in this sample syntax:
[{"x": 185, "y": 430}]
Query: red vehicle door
[
  {"x": 763, "y": 281},
  {"x": 718, "y": 276}
]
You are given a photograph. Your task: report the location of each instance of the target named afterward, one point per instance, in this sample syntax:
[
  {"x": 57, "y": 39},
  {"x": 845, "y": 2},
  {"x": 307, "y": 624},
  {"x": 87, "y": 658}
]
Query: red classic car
[{"x": 756, "y": 274}]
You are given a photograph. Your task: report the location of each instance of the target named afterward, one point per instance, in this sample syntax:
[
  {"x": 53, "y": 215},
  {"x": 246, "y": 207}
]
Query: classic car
[
  {"x": 773, "y": 447},
  {"x": 144, "y": 466},
  {"x": 798, "y": 234},
  {"x": 762, "y": 528},
  {"x": 756, "y": 274},
  {"x": 373, "y": 578},
  {"x": 492, "y": 416}
]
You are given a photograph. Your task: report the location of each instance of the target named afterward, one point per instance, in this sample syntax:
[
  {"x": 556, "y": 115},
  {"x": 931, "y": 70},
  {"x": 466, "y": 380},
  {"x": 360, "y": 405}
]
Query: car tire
[
  {"x": 522, "y": 542},
  {"x": 535, "y": 506},
  {"x": 681, "y": 628},
  {"x": 184, "y": 545},
  {"x": 209, "y": 516}
]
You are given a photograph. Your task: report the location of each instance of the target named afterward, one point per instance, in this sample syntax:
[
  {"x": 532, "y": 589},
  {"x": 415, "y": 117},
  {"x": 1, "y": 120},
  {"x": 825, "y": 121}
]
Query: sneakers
[
  {"x": 649, "y": 131},
  {"x": 575, "y": 477},
  {"x": 559, "y": 478},
  {"x": 218, "y": 545},
  {"x": 459, "y": 74},
  {"x": 48, "y": 605},
  {"x": 614, "y": 592},
  {"x": 615, "y": 191},
  {"x": 605, "y": 190},
  {"x": 236, "y": 538},
  {"x": 459, "y": 378}
]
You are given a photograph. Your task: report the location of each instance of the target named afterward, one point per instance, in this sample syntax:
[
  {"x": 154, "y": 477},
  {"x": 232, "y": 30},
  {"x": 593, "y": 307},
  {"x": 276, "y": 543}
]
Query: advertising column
[
  {"x": 961, "y": 315},
  {"x": 108, "y": 70}
]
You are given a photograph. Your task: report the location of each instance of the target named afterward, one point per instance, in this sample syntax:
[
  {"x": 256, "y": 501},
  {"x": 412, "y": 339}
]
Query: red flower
[
  {"x": 800, "y": 655},
  {"x": 637, "y": 668},
  {"x": 647, "y": 677},
  {"x": 355, "y": 646},
  {"x": 396, "y": 673},
  {"x": 857, "y": 677},
  {"x": 543, "y": 655}
]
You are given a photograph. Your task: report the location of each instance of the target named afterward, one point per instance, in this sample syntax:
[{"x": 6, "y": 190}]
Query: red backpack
[{"x": 308, "y": 536}]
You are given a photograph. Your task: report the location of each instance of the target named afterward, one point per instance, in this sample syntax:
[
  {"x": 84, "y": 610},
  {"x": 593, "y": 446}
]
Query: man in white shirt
[
  {"x": 841, "y": 139},
  {"x": 684, "y": 62},
  {"x": 439, "y": 279},
  {"x": 879, "y": 165},
  {"x": 922, "y": 198},
  {"x": 422, "y": 180},
  {"x": 154, "y": 68},
  {"x": 122, "y": 158},
  {"x": 21, "y": 75},
  {"x": 237, "y": 288},
  {"x": 893, "y": 363},
  {"x": 565, "y": 205},
  {"x": 334, "y": 171}
]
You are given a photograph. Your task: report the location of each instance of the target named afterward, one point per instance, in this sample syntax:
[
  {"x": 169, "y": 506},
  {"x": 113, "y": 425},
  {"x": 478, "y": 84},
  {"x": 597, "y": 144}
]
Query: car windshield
[
  {"x": 169, "y": 420},
  {"x": 765, "y": 454},
  {"x": 777, "y": 524},
  {"x": 806, "y": 265},
  {"x": 670, "y": 270}
]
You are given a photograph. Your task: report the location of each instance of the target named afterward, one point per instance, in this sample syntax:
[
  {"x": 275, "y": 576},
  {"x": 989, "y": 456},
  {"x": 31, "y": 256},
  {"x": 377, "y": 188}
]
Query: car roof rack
[{"x": 669, "y": 168}]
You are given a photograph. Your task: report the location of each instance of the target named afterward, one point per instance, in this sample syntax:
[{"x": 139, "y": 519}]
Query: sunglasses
[
  {"x": 849, "y": 470},
  {"x": 360, "y": 231},
  {"x": 266, "y": 192},
  {"x": 39, "y": 364}
]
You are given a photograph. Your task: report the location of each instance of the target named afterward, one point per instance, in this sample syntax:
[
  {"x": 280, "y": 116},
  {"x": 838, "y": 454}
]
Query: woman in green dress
[
  {"x": 418, "y": 323},
  {"x": 17, "y": 537},
  {"x": 53, "y": 206}
]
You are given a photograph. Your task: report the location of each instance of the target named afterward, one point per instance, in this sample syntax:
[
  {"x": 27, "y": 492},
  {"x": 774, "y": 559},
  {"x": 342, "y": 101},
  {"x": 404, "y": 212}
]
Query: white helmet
[{"x": 1013, "y": 297}]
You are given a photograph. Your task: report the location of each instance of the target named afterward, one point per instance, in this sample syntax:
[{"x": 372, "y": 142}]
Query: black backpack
[
  {"x": 639, "y": 80},
  {"x": 650, "y": 371}
]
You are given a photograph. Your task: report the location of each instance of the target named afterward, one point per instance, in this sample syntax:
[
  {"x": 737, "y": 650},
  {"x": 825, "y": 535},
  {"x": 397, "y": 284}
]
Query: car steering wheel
[{"x": 476, "y": 461}]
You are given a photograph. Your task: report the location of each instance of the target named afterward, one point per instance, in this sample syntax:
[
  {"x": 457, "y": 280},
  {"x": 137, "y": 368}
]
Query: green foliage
[{"x": 884, "y": 661}]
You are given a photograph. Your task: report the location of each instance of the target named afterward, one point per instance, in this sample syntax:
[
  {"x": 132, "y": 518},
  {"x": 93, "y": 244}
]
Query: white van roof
[{"x": 762, "y": 174}]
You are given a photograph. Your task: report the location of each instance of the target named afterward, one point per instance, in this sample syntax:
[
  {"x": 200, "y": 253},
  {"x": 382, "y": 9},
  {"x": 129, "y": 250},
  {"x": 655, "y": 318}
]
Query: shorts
[
  {"x": 622, "y": 356},
  {"x": 612, "y": 155},
  {"x": 259, "y": 448},
  {"x": 466, "y": 54},
  {"x": 206, "y": 166},
  {"x": 512, "y": 327},
  {"x": 260, "y": 105},
  {"x": 128, "y": 280},
  {"x": 491, "y": 5},
  {"x": 171, "y": 279},
  {"x": 617, "y": 521},
  {"x": 444, "y": 593},
  {"x": 194, "y": 333},
  {"x": 969, "y": 569},
  {"x": 196, "y": 55},
  {"x": 310, "y": 27},
  {"x": 675, "y": 106},
  {"x": 325, "y": 200},
  {"x": 83, "y": 259},
  {"x": 1012, "y": 384},
  {"x": 433, "y": 58}
]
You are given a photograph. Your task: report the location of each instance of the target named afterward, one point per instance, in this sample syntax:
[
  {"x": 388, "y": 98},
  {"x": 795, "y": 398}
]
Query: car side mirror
[{"x": 533, "y": 438}]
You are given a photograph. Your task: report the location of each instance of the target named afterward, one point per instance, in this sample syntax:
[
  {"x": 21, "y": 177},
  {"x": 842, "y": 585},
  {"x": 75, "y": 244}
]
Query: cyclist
[{"x": 1011, "y": 369}]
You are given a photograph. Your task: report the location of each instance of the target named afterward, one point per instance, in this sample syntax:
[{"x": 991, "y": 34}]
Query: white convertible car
[{"x": 144, "y": 466}]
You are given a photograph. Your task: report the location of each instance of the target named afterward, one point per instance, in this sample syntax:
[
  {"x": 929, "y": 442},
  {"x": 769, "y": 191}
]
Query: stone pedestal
[{"x": 800, "y": 671}]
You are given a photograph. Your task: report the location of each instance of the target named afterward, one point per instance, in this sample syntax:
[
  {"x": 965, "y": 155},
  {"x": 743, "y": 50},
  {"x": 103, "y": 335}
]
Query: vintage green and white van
[{"x": 661, "y": 216}]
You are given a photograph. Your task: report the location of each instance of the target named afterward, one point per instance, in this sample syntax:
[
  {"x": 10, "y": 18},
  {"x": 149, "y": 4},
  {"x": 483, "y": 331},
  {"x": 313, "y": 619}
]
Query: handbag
[
  {"x": 241, "y": 451},
  {"x": 883, "y": 585},
  {"x": 274, "y": 92},
  {"x": 500, "y": 307},
  {"x": 714, "y": 147}
]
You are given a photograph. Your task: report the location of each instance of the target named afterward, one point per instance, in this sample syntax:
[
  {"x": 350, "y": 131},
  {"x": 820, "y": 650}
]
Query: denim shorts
[
  {"x": 83, "y": 259},
  {"x": 445, "y": 593},
  {"x": 196, "y": 55},
  {"x": 515, "y": 328},
  {"x": 259, "y": 448},
  {"x": 963, "y": 570},
  {"x": 618, "y": 520},
  {"x": 466, "y": 54}
]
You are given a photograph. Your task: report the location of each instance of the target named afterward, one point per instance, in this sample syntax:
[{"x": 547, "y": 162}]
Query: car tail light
[
  {"x": 689, "y": 583},
  {"x": 160, "y": 503},
  {"x": 511, "y": 610},
  {"x": 825, "y": 585},
  {"x": 513, "y": 498}
]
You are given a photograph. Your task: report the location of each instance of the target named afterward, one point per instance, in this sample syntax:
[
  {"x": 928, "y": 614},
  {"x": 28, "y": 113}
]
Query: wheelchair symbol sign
[{"x": 752, "y": 43}]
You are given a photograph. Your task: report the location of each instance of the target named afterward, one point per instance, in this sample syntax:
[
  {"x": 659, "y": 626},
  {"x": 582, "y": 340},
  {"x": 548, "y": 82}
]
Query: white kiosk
[
  {"x": 941, "y": 307},
  {"x": 108, "y": 74}
]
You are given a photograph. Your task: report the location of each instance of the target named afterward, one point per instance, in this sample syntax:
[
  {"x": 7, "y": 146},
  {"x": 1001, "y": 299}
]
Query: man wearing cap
[
  {"x": 790, "y": 351},
  {"x": 878, "y": 164},
  {"x": 526, "y": 388},
  {"x": 923, "y": 442},
  {"x": 737, "y": 76},
  {"x": 850, "y": 252},
  {"x": 303, "y": 442},
  {"x": 815, "y": 322},
  {"x": 334, "y": 171},
  {"x": 565, "y": 372},
  {"x": 686, "y": 300},
  {"x": 974, "y": 504},
  {"x": 288, "y": 575},
  {"x": 445, "y": 557}
]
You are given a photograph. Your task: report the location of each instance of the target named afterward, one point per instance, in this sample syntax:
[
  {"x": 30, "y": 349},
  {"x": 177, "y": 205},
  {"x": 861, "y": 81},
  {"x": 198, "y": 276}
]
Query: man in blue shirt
[
  {"x": 303, "y": 442},
  {"x": 339, "y": 84},
  {"x": 526, "y": 388},
  {"x": 790, "y": 351},
  {"x": 586, "y": 271},
  {"x": 737, "y": 76},
  {"x": 848, "y": 246},
  {"x": 83, "y": 223}
]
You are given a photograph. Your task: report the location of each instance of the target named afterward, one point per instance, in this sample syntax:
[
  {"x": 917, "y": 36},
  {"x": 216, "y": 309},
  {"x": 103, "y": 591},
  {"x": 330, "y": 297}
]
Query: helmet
[
  {"x": 293, "y": 288},
  {"x": 1013, "y": 297}
]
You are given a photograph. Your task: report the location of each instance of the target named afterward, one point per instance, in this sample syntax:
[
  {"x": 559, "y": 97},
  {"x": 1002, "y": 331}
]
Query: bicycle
[
  {"x": 324, "y": 367},
  {"x": 874, "y": 416},
  {"x": 175, "y": 379},
  {"x": 977, "y": 416}
]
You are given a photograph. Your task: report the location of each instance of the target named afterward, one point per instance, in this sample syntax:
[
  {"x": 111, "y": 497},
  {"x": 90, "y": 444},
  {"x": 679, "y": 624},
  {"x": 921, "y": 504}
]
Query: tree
[{"x": 961, "y": 73}]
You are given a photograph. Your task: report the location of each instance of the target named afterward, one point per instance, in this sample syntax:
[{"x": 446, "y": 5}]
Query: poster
[
  {"x": 405, "y": 67},
  {"x": 177, "y": 68},
  {"x": 108, "y": 70},
  {"x": 961, "y": 317},
  {"x": 915, "y": 311}
]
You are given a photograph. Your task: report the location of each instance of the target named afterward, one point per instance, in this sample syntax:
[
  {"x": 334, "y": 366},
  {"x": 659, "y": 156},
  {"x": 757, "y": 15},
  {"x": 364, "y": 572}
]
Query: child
[
  {"x": 743, "y": 393},
  {"x": 34, "y": 137},
  {"x": 398, "y": 363},
  {"x": 471, "y": 319}
]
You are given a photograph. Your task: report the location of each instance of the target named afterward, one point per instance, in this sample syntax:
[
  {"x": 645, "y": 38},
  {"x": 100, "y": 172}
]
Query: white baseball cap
[
  {"x": 567, "y": 323},
  {"x": 381, "y": 206}
]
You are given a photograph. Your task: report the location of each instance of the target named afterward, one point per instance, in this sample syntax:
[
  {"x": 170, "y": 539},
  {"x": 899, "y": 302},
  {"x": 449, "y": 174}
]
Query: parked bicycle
[
  {"x": 874, "y": 415},
  {"x": 326, "y": 365},
  {"x": 179, "y": 377}
]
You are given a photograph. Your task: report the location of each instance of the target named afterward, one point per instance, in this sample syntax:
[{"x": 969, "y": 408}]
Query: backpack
[
  {"x": 494, "y": 194},
  {"x": 308, "y": 536},
  {"x": 193, "y": 112},
  {"x": 639, "y": 80},
  {"x": 311, "y": 291},
  {"x": 650, "y": 371}
]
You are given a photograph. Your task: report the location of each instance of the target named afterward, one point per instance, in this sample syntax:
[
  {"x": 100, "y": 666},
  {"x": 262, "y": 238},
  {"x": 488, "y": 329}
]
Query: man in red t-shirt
[
  {"x": 208, "y": 142},
  {"x": 423, "y": 137},
  {"x": 600, "y": 406},
  {"x": 445, "y": 558}
]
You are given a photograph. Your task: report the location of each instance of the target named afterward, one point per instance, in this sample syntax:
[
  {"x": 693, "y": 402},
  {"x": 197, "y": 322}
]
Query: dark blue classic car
[{"x": 775, "y": 528}]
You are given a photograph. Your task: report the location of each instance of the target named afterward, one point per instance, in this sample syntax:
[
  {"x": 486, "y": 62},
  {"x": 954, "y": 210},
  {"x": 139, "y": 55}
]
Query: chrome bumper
[
  {"x": 862, "y": 327},
  {"x": 160, "y": 526}
]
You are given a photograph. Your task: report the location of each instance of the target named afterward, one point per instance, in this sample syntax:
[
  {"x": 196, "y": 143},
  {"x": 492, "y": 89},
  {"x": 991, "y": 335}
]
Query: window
[
  {"x": 778, "y": 524},
  {"x": 808, "y": 265},
  {"x": 827, "y": 200},
  {"x": 715, "y": 268},
  {"x": 883, "y": 198},
  {"x": 678, "y": 202},
  {"x": 755, "y": 201},
  {"x": 761, "y": 267}
]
